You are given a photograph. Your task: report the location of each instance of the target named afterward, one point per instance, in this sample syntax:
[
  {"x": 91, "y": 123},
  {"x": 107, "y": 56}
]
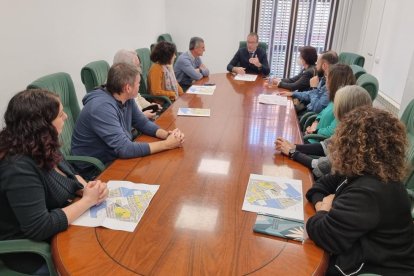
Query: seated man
[
  {"x": 251, "y": 60},
  {"x": 130, "y": 57},
  {"x": 318, "y": 98},
  {"x": 103, "y": 128},
  {"x": 189, "y": 67}
]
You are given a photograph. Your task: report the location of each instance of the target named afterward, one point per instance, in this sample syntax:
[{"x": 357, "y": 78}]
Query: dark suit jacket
[{"x": 241, "y": 58}]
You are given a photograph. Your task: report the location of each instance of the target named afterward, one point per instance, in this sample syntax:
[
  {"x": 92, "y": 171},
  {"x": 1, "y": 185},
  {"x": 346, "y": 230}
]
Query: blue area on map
[
  {"x": 273, "y": 203},
  {"x": 95, "y": 209},
  {"x": 125, "y": 192},
  {"x": 291, "y": 192}
]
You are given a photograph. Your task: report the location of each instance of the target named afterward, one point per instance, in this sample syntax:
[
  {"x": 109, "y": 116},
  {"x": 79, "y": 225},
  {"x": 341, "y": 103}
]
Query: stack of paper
[
  {"x": 201, "y": 112},
  {"x": 272, "y": 99},
  {"x": 245, "y": 77},
  {"x": 202, "y": 89}
]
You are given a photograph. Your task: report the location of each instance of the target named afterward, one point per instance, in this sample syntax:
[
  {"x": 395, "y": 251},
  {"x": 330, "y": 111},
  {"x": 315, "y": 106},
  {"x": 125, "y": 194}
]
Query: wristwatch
[{"x": 291, "y": 153}]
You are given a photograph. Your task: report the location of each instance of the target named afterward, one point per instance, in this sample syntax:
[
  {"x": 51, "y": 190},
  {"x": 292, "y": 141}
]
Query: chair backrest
[
  {"x": 357, "y": 70},
  {"x": 351, "y": 58},
  {"x": 62, "y": 84},
  {"x": 263, "y": 45},
  {"x": 165, "y": 37},
  {"x": 408, "y": 119},
  {"x": 94, "y": 74},
  {"x": 145, "y": 60},
  {"x": 369, "y": 83}
]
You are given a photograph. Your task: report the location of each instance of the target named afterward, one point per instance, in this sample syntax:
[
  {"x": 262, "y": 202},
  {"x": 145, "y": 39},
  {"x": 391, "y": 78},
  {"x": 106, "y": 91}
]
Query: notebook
[{"x": 280, "y": 227}]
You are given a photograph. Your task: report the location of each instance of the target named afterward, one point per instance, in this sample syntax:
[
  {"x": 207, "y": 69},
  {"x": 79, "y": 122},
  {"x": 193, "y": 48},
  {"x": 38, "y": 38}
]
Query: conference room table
[{"x": 195, "y": 224}]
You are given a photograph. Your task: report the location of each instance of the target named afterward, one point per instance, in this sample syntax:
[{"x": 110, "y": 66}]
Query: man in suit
[{"x": 252, "y": 60}]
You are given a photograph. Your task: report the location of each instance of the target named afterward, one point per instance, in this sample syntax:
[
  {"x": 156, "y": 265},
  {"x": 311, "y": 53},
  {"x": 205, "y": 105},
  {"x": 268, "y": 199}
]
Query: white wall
[
  {"x": 48, "y": 36},
  {"x": 222, "y": 24}
]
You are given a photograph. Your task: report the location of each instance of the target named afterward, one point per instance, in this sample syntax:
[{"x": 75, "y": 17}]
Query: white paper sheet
[
  {"x": 123, "y": 209},
  {"x": 199, "y": 112},
  {"x": 272, "y": 99},
  {"x": 245, "y": 77},
  {"x": 201, "y": 89},
  {"x": 278, "y": 196}
]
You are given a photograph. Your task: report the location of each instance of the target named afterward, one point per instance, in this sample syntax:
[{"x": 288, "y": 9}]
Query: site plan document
[{"x": 123, "y": 209}]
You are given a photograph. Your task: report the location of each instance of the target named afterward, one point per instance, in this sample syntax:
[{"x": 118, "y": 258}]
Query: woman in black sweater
[
  {"x": 37, "y": 185},
  {"x": 301, "y": 82},
  {"x": 363, "y": 218}
]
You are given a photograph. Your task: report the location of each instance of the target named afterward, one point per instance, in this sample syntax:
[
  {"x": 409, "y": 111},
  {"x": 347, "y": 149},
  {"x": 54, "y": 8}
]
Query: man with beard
[{"x": 316, "y": 99}]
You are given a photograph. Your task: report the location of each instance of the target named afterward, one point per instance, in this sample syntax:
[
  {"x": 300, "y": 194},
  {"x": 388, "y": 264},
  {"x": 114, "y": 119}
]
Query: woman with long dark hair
[{"x": 37, "y": 185}]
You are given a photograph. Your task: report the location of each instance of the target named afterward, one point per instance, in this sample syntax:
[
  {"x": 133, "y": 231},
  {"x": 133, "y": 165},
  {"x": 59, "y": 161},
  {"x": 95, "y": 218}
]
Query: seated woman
[
  {"x": 338, "y": 76},
  {"x": 161, "y": 76},
  {"x": 363, "y": 219},
  {"x": 301, "y": 82},
  {"x": 346, "y": 99},
  {"x": 37, "y": 185}
]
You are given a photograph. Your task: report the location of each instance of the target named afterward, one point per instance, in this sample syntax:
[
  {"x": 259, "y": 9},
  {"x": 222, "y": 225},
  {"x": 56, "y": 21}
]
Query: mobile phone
[
  {"x": 209, "y": 84},
  {"x": 153, "y": 107}
]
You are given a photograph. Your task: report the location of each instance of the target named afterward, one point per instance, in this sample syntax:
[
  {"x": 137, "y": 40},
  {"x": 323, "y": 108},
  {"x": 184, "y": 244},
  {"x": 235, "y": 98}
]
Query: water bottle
[{"x": 270, "y": 81}]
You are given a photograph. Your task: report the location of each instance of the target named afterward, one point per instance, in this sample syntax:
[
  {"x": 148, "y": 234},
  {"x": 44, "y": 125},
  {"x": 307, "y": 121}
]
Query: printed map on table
[
  {"x": 123, "y": 209},
  {"x": 198, "y": 112},
  {"x": 276, "y": 196},
  {"x": 201, "y": 89}
]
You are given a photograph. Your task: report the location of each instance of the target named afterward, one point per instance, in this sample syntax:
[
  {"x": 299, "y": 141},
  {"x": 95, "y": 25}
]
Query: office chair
[
  {"x": 62, "y": 84},
  {"x": 94, "y": 74},
  {"x": 26, "y": 246},
  {"x": 357, "y": 70},
  {"x": 370, "y": 84},
  {"x": 351, "y": 58},
  {"x": 263, "y": 45}
]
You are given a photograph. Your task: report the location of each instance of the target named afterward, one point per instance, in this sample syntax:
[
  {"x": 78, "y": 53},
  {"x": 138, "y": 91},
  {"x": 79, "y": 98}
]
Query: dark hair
[
  {"x": 339, "y": 75},
  {"x": 369, "y": 141},
  {"x": 308, "y": 54},
  {"x": 29, "y": 130},
  {"x": 330, "y": 57},
  {"x": 163, "y": 52},
  {"x": 194, "y": 42},
  {"x": 119, "y": 75}
]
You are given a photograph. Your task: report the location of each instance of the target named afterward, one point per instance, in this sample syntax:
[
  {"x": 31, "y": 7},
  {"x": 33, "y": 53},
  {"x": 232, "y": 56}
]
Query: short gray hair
[
  {"x": 195, "y": 41},
  {"x": 125, "y": 56},
  {"x": 348, "y": 98}
]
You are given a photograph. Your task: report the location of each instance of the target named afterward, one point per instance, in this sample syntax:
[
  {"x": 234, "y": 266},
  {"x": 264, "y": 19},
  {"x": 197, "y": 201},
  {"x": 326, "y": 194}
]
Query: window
[{"x": 286, "y": 25}]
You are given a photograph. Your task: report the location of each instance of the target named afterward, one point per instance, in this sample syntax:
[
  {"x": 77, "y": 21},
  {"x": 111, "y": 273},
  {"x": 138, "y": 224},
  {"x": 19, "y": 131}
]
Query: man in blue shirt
[
  {"x": 251, "y": 59},
  {"x": 189, "y": 67},
  {"x": 103, "y": 128},
  {"x": 316, "y": 99}
]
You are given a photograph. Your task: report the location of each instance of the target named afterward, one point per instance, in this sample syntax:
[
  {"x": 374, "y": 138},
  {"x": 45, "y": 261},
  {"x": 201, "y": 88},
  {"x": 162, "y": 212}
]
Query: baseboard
[{"x": 387, "y": 103}]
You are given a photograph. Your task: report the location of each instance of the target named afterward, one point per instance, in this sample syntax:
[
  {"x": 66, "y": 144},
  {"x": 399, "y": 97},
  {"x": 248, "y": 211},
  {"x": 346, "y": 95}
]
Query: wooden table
[{"x": 195, "y": 224}]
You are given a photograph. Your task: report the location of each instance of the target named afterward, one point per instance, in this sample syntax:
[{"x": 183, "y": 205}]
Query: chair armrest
[
  {"x": 411, "y": 196},
  {"x": 309, "y": 121},
  {"x": 303, "y": 119},
  {"x": 317, "y": 137},
  {"x": 165, "y": 99},
  {"x": 87, "y": 159},
  {"x": 26, "y": 245}
]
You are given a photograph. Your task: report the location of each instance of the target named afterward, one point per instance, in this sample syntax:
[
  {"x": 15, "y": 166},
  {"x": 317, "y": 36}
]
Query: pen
[{"x": 279, "y": 217}]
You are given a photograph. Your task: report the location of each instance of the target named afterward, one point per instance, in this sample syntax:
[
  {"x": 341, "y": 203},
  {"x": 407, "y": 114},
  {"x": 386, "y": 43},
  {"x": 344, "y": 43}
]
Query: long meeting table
[{"x": 195, "y": 224}]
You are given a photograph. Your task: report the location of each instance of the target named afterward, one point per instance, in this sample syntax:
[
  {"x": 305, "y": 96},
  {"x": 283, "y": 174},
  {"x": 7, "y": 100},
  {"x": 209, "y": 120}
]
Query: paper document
[
  {"x": 123, "y": 209},
  {"x": 201, "y": 89},
  {"x": 245, "y": 77},
  {"x": 277, "y": 196},
  {"x": 200, "y": 112},
  {"x": 272, "y": 99}
]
